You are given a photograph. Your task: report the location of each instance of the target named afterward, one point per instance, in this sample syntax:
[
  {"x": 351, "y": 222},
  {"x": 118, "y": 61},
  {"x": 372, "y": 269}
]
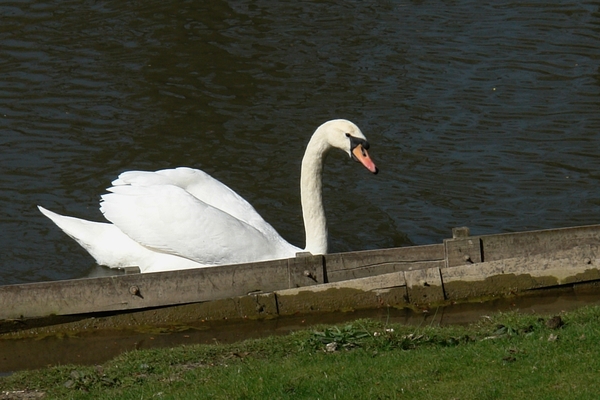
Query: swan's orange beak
[{"x": 360, "y": 154}]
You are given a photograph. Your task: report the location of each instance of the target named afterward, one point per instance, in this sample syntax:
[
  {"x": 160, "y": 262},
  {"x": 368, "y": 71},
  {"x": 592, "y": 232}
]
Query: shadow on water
[{"x": 61, "y": 346}]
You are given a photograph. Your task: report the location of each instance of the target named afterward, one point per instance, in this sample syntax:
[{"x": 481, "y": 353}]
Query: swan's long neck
[{"x": 313, "y": 212}]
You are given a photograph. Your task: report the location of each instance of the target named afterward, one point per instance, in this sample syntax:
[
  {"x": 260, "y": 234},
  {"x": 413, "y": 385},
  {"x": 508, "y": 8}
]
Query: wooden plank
[
  {"x": 462, "y": 251},
  {"x": 383, "y": 268},
  {"x": 424, "y": 286},
  {"x": 305, "y": 270},
  {"x": 378, "y": 282},
  {"x": 526, "y": 244},
  {"x": 511, "y": 275},
  {"x": 461, "y": 256},
  {"x": 127, "y": 292},
  {"x": 371, "y": 292},
  {"x": 361, "y": 264}
]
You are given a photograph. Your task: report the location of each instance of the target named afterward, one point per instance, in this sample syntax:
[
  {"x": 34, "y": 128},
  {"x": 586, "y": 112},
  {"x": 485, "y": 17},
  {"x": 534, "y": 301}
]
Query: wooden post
[{"x": 462, "y": 249}]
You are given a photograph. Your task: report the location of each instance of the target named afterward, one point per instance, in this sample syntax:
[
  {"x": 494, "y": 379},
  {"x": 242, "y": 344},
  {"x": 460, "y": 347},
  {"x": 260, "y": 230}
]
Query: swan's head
[{"x": 346, "y": 136}]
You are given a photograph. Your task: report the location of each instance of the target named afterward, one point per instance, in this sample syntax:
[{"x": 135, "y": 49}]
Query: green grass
[{"x": 507, "y": 356}]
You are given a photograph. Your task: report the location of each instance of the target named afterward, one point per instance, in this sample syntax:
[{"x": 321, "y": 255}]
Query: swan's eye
[{"x": 347, "y": 135}]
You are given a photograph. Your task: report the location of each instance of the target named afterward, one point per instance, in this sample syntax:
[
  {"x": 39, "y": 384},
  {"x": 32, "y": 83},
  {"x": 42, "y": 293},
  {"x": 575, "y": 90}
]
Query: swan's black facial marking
[{"x": 354, "y": 142}]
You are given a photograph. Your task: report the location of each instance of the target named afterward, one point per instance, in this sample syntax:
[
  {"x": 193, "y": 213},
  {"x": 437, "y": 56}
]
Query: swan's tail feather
[{"x": 95, "y": 237}]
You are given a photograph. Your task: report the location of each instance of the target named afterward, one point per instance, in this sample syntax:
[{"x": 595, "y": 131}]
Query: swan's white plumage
[
  {"x": 169, "y": 219},
  {"x": 183, "y": 218}
]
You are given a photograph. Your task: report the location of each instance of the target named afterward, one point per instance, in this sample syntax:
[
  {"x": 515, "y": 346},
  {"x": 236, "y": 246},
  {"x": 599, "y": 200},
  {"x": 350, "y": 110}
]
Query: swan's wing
[
  {"x": 203, "y": 187},
  {"x": 168, "y": 219}
]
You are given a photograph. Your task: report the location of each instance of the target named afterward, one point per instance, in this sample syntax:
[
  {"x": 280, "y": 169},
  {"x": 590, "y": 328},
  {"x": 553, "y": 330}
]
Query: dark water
[{"x": 479, "y": 113}]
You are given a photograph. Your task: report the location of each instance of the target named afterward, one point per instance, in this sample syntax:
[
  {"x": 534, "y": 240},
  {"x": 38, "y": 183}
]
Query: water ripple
[{"x": 479, "y": 113}]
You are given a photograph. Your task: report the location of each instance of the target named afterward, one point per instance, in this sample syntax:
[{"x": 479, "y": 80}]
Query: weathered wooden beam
[
  {"x": 512, "y": 275},
  {"x": 361, "y": 264},
  {"x": 128, "y": 292},
  {"x": 462, "y": 251},
  {"x": 370, "y": 292},
  {"x": 424, "y": 286},
  {"x": 138, "y": 291},
  {"x": 305, "y": 270},
  {"x": 456, "y": 269},
  {"x": 525, "y": 244}
]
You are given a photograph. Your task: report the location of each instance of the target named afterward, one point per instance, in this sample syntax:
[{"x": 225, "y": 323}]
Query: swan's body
[{"x": 183, "y": 218}]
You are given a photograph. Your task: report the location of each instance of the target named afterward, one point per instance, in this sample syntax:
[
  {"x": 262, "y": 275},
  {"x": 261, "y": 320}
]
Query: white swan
[{"x": 183, "y": 218}]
